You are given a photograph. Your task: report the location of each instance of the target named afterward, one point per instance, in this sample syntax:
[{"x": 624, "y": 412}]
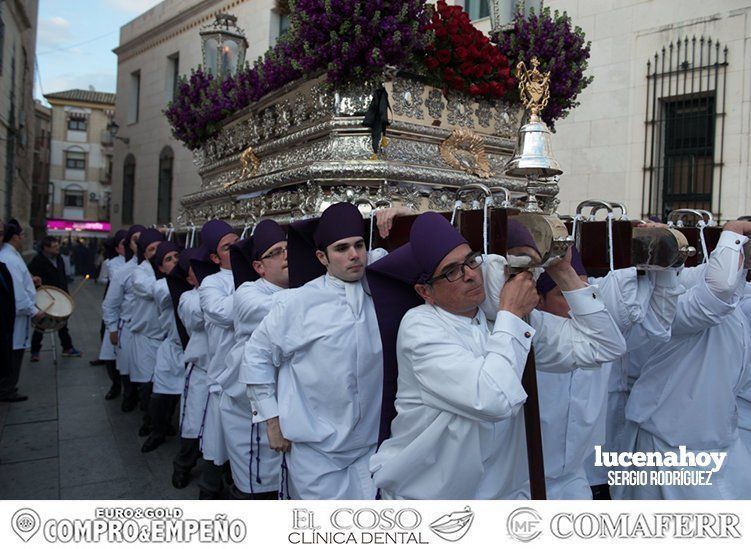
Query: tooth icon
[
  {"x": 454, "y": 526},
  {"x": 25, "y": 523}
]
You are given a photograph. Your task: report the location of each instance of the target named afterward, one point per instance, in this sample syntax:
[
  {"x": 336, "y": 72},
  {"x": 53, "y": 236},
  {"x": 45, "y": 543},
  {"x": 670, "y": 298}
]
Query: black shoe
[
  {"x": 180, "y": 479},
  {"x": 151, "y": 444},
  {"x": 113, "y": 393},
  {"x": 97, "y": 362},
  {"x": 144, "y": 430},
  {"x": 14, "y": 398},
  {"x": 129, "y": 404}
]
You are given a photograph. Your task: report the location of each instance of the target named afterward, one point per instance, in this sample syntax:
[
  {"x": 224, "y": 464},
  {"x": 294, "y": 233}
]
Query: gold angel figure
[
  {"x": 534, "y": 88},
  {"x": 250, "y": 164}
]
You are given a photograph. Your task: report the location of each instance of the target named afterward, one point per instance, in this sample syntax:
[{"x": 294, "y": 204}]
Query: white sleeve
[
  {"x": 712, "y": 298},
  {"x": 452, "y": 378},
  {"x": 23, "y": 288},
  {"x": 262, "y": 355},
  {"x": 216, "y": 304},
  {"x": 587, "y": 339},
  {"x": 189, "y": 311},
  {"x": 143, "y": 281},
  {"x": 113, "y": 301}
]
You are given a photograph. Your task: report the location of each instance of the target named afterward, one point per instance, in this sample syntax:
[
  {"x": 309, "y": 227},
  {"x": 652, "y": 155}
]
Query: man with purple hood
[
  {"x": 259, "y": 267},
  {"x": 315, "y": 362},
  {"x": 196, "y": 389},
  {"x": 169, "y": 370},
  {"x": 145, "y": 327},
  {"x": 107, "y": 351},
  {"x": 457, "y": 433},
  {"x": 217, "y": 296},
  {"x": 117, "y": 312}
]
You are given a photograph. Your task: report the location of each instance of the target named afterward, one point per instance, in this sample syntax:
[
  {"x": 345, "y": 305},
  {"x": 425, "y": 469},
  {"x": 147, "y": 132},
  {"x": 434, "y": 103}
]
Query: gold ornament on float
[
  {"x": 534, "y": 88},
  {"x": 465, "y": 150},
  {"x": 250, "y": 164}
]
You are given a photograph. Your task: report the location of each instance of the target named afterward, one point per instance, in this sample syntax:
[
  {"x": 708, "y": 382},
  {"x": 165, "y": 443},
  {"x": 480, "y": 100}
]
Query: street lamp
[
  {"x": 113, "y": 127},
  {"x": 223, "y": 46}
]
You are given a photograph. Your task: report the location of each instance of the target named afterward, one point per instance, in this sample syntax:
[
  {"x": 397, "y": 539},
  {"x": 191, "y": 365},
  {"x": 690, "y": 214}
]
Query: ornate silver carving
[
  {"x": 301, "y": 110},
  {"x": 484, "y": 113},
  {"x": 507, "y": 119},
  {"x": 268, "y": 123},
  {"x": 460, "y": 110},
  {"x": 407, "y": 98},
  {"x": 435, "y": 104}
]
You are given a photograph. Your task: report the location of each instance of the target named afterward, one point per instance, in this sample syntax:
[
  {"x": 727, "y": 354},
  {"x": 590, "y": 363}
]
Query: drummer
[
  {"x": 49, "y": 267},
  {"x": 25, "y": 294}
]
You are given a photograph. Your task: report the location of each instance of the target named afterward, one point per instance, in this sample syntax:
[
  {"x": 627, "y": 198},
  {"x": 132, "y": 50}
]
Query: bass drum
[{"x": 57, "y": 305}]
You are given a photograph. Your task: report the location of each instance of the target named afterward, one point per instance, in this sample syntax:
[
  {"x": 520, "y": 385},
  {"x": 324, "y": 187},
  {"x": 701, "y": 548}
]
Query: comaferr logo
[
  {"x": 453, "y": 526},
  {"x": 524, "y": 524}
]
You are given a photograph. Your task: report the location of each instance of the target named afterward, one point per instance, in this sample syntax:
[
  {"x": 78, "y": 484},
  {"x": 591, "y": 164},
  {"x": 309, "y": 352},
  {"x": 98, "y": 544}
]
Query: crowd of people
[{"x": 300, "y": 364}]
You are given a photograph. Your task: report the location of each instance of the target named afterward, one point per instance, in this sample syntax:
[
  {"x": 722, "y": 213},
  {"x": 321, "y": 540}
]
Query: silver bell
[{"x": 533, "y": 156}]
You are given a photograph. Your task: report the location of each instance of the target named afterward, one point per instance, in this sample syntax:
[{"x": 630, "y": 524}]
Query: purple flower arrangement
[
  {"x": 347, "y": 39},
  {"x": 561, "y": 49},
  {"x": 354, "y": 40}
]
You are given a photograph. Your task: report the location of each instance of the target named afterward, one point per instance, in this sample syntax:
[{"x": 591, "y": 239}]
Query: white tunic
[
  {"x": 217, "y": 296},
  {"x": 25, "y": 295},
  {"x": 107, "y": 351},
  {"x": 147, "y": 331},
  {"x": 117, "y": 310},
  {"x": 169, "y": 371},
  {"x": 458, "y": 433},
  {"x": 322, "y": 341},
  {"x": 574, "y": 405},
  {"x": 744, "y": 395},
  {"x": 196, "y": 388},
  {"x": 686, "y": 392},
  {"x": 247, "y": 443}
]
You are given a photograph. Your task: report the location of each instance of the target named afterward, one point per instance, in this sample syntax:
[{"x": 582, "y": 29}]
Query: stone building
[
  {"x": 40, "y": 178},
  {"x": 18, "y": 24},
  {"x": 151, "y": 169},
  {"x": 80, "y": 160}
]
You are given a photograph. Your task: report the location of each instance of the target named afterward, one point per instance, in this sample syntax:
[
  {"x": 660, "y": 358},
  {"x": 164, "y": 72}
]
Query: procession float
[{"x": 406, "y": 102}]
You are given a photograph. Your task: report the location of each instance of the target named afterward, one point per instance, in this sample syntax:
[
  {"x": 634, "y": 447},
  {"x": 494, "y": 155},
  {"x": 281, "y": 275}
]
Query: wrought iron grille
[{"x": 684, "y": 127}]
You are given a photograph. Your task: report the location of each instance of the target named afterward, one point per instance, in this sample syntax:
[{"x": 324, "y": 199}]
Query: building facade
[
  {"x": 18, "y": 24},
  {"x": 40, "y": 177},
  {"x": 152, "y": 170},
  {"x": 665, "y": 124},
  {"x": 80, "y": 160}
]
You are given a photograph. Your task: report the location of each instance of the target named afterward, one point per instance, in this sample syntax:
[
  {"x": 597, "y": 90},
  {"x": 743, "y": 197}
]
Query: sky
[{"x": 75, "y": 39}]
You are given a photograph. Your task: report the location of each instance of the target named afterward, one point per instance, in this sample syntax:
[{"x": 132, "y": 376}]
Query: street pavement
[{"x": 66, "y": 441}]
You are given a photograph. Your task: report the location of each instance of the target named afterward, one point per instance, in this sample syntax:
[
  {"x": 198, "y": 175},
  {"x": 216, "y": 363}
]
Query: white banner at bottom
[{"x": 271, "y": 524}]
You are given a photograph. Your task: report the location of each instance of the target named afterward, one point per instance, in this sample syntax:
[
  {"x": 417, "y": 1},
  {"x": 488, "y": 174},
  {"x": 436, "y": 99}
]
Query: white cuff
[{"x": 584, "y": 301}]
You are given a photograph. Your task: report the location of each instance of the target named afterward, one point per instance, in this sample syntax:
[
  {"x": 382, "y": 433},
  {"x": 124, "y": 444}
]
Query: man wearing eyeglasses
[
  {"x": 314, "y": 365},
  {"x": 457, "y": 433},
  {"x": 259, "y": 267}
]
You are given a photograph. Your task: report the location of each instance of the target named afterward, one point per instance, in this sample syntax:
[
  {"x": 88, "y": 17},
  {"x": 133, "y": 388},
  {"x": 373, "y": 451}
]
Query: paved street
[{"x": 66, "y": 441}]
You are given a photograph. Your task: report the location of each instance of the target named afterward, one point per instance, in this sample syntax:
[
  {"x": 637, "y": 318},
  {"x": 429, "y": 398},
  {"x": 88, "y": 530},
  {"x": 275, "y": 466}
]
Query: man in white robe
[
  {"x": 259, "y": 266},
  {"x": 196, "y": 388},
  {"x": 107, "y": 351},
  {"x": 457, "y": 433},
  {"x": 686, "y": 393},
  {"x": 217, "y": 296},
  {"x": 146, "y": 330},
  {"x": 169, "y": 370},
  {"x": 315, "y": 362},
  {"x": 26, "y": 309},
  {"x": 117, "y": 311},
  {"x": 574, "y": 405}
]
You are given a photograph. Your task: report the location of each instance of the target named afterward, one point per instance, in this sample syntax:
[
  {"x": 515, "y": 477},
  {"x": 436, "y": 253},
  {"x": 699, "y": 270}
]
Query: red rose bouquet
[{"x": 462, "y": 58}]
